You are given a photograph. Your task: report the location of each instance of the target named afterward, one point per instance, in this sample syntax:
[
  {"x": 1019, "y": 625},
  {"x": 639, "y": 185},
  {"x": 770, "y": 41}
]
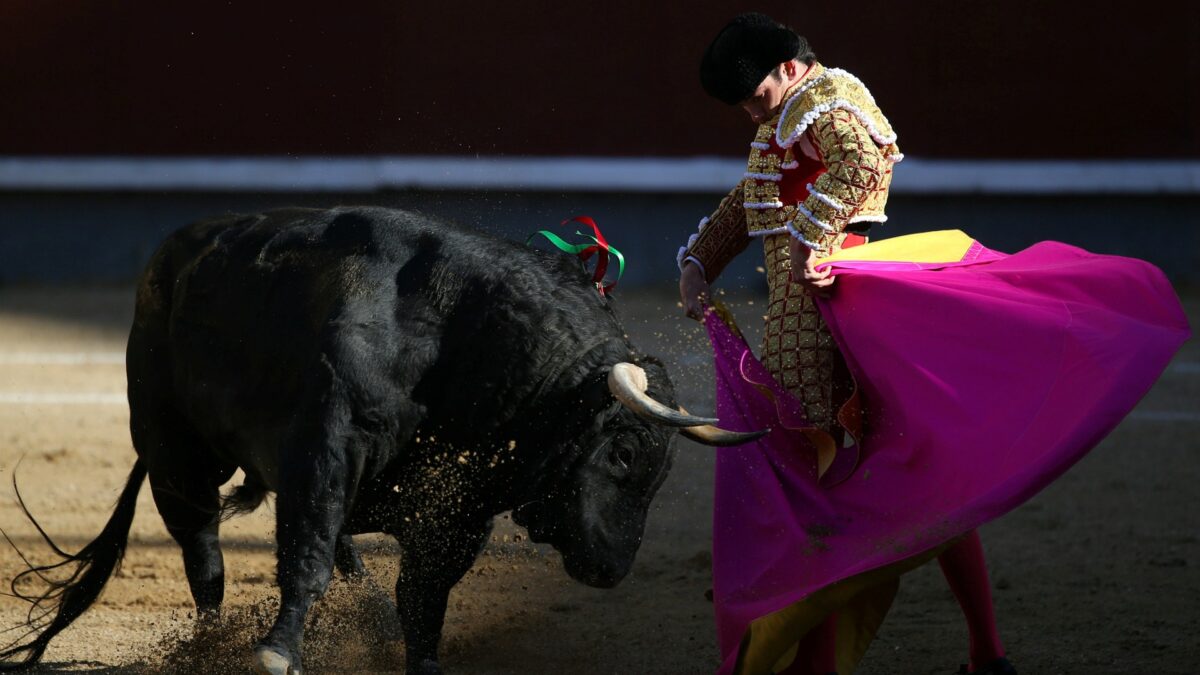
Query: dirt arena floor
[{"x": 1098, "y": 574}]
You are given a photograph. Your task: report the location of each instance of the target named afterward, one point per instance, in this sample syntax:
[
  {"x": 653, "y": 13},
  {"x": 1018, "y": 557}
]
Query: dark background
[
  {"x": 974, "y": 82},
  {"x": 1018, "y": 79}
]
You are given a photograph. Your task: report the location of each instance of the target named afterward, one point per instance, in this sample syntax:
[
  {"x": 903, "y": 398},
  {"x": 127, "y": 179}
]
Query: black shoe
[{"x": 1000, "y": 666}]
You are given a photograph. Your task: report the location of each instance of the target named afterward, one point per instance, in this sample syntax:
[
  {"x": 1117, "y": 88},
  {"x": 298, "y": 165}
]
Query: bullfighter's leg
[
  {"x": 314, "y": 490},
  {"x": 433, "y": 559},
  {"x": 965, "y": 569},
  {"x": 185, "y": 479}
]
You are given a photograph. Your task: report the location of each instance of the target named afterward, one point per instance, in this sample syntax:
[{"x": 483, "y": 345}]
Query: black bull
[{"x": 380, "y": 371}]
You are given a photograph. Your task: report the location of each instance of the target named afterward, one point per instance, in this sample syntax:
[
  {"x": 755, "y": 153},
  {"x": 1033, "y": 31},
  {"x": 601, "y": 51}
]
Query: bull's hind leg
[
  {"x": 191, "y": 513},
  {"x": 436, "y": 553},
  {"x": 185, "y": 478}
]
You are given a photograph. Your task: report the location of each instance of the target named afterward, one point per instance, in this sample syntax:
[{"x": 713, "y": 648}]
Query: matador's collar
[{"x": 824, "y": 89}]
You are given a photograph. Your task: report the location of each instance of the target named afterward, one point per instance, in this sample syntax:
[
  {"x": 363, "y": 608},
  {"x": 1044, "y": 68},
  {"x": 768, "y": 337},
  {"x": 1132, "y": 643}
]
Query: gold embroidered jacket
[{"x": 823, "y": 163}]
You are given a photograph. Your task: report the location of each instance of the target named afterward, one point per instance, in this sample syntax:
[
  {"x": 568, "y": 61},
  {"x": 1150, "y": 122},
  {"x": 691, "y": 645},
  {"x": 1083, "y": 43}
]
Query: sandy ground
[{"x": 1098, "y": 574}]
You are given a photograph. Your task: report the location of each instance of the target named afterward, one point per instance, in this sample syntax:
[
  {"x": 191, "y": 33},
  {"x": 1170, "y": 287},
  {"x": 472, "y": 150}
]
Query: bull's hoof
[
  {"x": 267, "y": 661},
  {"x": 423, "y": 667}
]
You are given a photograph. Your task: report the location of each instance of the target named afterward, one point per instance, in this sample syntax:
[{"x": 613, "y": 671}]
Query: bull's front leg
[{"x": 434, "y": 557}]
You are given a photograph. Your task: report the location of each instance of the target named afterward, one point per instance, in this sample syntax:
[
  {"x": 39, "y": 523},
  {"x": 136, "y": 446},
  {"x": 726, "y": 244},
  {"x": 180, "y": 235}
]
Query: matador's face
[
  {"x": 767, "y": 99},
  {"x": 764, "y": 103}
]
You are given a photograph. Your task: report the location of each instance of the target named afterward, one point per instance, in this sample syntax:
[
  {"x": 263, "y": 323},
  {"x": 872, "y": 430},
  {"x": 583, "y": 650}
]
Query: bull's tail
[
  {"x": 68, "y": 587},
  {"x": 243, "y": 499}
]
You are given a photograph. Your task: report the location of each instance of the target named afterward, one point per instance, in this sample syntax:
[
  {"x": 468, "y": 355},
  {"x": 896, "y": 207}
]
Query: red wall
[{"x": 1018, "y": 79}]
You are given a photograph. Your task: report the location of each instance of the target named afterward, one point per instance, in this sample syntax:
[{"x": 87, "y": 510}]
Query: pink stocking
[{"x": 965, "y": 569}]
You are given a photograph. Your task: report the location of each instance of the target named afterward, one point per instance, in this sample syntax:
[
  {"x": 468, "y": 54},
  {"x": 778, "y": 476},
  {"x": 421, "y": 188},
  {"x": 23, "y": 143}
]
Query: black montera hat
[{"x": 746, "y": 50}]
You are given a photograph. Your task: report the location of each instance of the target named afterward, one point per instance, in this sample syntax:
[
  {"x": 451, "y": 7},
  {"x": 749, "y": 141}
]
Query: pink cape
[{"x": 983, "y": 381}]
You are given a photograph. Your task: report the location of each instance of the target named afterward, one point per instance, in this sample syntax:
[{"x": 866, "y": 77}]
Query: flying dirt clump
[{"x": 353, "y": 626}]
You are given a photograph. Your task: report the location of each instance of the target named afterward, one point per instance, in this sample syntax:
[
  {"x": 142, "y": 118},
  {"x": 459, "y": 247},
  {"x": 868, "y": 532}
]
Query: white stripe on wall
[{"x": 588, "y": 174}]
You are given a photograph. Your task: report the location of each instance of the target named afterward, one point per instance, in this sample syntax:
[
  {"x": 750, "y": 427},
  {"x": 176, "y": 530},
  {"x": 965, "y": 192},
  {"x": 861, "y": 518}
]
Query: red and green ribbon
[{"x": 598, "y": 247}]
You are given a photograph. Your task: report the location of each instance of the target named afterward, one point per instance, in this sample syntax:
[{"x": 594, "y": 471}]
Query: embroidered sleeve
[
  {"x": 855, "y": 165},
  {"x": 721, "y": 237}
]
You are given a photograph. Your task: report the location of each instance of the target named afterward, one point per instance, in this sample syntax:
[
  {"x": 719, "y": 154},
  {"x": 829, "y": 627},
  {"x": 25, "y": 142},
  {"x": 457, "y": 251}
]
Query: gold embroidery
[
  {"x": 723, "y": 237},
  {"x": 856, "y": 182},
  {"x": 856, "y": 143},
  {"x": 762, "y": 185},
  {"x": 831, "y": 89},
  {"x": 798, "y": 349}
]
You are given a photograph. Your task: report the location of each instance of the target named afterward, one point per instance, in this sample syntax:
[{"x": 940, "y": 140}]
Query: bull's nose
[{"x": 595, "y": 574}]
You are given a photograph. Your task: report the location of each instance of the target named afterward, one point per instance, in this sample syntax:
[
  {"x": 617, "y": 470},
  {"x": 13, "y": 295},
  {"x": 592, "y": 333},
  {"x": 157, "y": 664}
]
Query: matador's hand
[
  {"x": 693, "y": 291},
  {"x": 805, "y": 273}
]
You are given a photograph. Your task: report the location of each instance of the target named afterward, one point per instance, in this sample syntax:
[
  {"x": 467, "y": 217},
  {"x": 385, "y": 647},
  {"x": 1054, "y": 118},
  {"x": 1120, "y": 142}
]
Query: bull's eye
[{"x": 622, "y": 457}]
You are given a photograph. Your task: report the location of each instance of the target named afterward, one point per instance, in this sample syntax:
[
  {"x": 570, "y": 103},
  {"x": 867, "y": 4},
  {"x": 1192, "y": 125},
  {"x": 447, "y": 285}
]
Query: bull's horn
[
  {"x": 716, "y": 436},
  {"x": 627, "y": 383}
]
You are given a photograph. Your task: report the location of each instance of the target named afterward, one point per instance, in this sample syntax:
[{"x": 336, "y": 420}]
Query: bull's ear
[
  {"x": 658, "y": 380},
  {"x": 595, "y": 394}
]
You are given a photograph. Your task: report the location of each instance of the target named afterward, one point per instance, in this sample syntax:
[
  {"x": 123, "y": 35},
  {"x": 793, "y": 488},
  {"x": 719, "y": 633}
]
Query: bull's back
[
  {"x": 232, "y": 311},
  {"x": 237, "y": 315}
]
